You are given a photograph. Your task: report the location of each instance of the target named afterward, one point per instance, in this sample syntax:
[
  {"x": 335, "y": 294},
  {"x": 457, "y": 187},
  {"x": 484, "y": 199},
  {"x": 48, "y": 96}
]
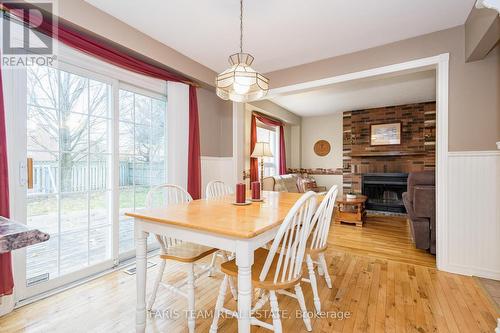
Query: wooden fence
[{"x": 93, "y": 176}]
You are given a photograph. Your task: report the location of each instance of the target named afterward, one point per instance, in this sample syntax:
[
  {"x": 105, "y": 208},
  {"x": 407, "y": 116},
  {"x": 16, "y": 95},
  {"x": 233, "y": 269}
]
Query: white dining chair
[
  {"x": 217, "y": 189},
  {"x": 276, "y": 269},
  {"x": 176, "y": 250},
  {"x": 317, "y": 244}
]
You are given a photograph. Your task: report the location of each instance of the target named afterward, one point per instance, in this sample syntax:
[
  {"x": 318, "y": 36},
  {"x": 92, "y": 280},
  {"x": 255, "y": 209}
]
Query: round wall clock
[{"x": 322, "y": 148}]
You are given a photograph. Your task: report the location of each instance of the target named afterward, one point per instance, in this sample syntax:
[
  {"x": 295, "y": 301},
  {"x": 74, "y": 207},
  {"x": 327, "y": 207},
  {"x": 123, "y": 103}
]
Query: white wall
[
  {"x": 216, "y": 168},
  {"x": 327, "y": 128}
]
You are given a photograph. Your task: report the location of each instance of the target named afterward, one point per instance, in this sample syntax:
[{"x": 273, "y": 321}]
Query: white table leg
[
  {"x": 244, "y": 260},
  {"x": 141, "y": 262}
]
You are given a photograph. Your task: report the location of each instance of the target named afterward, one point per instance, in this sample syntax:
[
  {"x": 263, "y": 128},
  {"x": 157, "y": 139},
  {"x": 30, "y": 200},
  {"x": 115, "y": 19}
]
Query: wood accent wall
[{"x": 415, "y": 153}]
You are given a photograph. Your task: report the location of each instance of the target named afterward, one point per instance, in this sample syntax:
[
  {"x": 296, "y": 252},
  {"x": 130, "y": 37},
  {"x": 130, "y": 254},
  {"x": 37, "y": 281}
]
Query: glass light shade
[
  {"x": 262, "y": 149},
  {"x": 240, "y": 82}
]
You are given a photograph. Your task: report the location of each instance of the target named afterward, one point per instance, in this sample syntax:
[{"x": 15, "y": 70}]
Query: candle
[
  {"x": 240, "y": 193},
  {"x": 256, "y": 190}
]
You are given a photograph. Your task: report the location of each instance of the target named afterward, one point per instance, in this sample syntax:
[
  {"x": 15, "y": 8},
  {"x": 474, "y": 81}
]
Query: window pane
[
  {"x": 158, "y": 174},
  {"x": 99, "y": 94},
  {"x": 142, "y": 142},
  {"x": 74, "y": 251},
  {"x": 100, "y": 130},
  {"x": 43, "y": 129},
  {"x": 159, "y": 108},
  {"x": 142, "y": 110},
  {"x": 126, "y": 234},
  {"x": 73, "y": 93},
  {"x": 45, "y": 172},
  {"x": 142, "y": 155},
  {"x": 126, "y": 228},
  {"x": 73, "y": 132},
  {"x": 140, "y": 196},
  {"x": 74, "y": 172},
  {"x": 43, "y": 87},
  {"x": 42, "y": 214},
  {"x": 126, "y": 105},
  {"x": 157, "y": 142},
  {"x": 126, "y": 139},
  {"x": 74, "y": 212},
  {"x": 100, "y": 244},
  {"x": 142, "y": 174},
  {"x": 99, "y": 209},
  {"x": 99, "y": 171},
  {"x": 126, "y": 171},
  {"x": 42, "y": 258}
]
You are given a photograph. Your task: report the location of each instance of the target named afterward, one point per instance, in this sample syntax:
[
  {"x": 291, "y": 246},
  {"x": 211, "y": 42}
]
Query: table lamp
[{"x": 261, "y": 150}]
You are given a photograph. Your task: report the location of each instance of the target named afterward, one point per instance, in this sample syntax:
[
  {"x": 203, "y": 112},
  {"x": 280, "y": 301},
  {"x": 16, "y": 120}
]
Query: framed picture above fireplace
[{"x": 385, "y": 134}]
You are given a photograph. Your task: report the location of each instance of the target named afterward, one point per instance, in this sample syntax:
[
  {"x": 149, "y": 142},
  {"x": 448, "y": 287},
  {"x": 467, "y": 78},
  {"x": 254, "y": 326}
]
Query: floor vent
[
  {"x": 37, "y": 279},
  {"x": 131, "y": 270}
]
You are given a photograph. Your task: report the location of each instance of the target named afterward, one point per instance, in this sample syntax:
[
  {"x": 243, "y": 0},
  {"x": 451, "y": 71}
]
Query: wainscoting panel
[
  {"x": 474, "y": 213},
  {"x": 216, "y": 168}
]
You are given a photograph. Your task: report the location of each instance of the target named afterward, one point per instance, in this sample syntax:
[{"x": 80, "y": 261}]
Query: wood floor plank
[{"x": 378, "y": 277}]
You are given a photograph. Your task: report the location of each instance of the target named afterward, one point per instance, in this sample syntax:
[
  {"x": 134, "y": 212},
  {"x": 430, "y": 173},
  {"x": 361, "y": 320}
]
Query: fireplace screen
[{"x": 385, "y": 191}]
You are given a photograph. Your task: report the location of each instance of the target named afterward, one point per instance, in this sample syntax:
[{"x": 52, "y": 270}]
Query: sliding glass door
[
  {"x": 142, "y": 122},
  {"x": 97, "y": 143},
  {"x": 68, "y": 139}
]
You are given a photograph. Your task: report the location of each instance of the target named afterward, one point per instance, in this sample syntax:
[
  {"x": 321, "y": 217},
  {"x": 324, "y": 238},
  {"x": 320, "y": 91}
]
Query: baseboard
[{"x": 470, "y": 271}]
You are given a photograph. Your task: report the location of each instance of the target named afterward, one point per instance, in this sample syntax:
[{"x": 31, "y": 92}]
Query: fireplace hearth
[{"x": 384, "y": 191}]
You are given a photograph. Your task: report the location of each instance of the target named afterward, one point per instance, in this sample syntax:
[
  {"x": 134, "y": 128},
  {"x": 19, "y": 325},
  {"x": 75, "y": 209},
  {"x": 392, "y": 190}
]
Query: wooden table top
[
  {"x": 359, "y": 199},
  {"x": 221, "y": 217}
]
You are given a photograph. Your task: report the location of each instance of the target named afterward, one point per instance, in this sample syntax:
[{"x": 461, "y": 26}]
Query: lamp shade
[
  {"x": 240, "y": 82},
  {"x": 262, "y": 149}
]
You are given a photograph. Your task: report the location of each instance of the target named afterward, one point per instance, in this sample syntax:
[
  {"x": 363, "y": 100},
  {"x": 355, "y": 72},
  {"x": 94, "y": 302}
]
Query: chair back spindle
[
  {"x": 290, "y": 242},
  {"x": 320, "y": 225},
  {"x": 161, "y": 196},
  {"x": 217, "y": 189}
]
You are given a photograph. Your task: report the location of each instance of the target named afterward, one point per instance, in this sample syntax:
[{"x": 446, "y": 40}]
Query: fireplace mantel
[{"x": 388, "y": 153}]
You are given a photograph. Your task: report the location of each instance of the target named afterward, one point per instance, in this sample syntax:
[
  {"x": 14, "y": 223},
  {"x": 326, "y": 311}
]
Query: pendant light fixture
[{"x": 240, "y": 82}]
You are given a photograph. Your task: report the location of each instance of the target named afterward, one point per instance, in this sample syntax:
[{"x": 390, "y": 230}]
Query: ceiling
[
  {"x": 362, "y": 94},
  {"x": 283, "y": 33}
]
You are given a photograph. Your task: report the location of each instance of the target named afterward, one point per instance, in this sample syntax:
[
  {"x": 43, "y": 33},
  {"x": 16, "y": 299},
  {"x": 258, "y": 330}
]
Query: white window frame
[
  {"x": 76, "y": 62},
  {"x": 276, "y": 147}
]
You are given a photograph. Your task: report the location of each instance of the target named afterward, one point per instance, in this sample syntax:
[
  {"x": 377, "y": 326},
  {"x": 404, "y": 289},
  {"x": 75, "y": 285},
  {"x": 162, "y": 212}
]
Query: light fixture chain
[{"x": 241, "y": 26}]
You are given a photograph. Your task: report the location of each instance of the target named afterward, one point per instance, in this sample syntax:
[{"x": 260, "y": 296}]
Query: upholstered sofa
[
  {"x": 420, "y": 203},
  {"x": 295, "y": 183}
]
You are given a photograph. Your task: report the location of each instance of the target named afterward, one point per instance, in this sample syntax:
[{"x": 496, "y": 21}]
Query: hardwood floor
[{"x": 380, "y": 282}]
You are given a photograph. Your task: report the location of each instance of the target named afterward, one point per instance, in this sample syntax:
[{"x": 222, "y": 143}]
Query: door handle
[{"x": 29, "y": 167}]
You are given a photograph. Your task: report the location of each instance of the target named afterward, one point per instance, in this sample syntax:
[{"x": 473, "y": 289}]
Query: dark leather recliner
[{"x": 420, "y": 203}]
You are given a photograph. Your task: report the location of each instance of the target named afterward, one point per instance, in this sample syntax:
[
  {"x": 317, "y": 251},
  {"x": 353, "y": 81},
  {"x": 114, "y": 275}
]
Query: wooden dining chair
[
  {"x": 217, "y": 189},
  {"x": 276, "y": 269},
  {"x": 317, "y": 244},
  {"x": 176, "y": 250}
]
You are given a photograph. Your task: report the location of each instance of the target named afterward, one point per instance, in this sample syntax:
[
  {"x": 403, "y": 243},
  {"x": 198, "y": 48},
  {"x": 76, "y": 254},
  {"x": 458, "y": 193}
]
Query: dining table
[{"x": 218, "y": 223}]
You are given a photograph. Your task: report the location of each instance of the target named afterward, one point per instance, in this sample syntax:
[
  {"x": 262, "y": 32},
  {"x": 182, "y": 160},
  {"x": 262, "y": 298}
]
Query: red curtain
[
  {"x": 194, "y": 163},
  {"x": 102, "y": 49},
  {"x": 253, "y": 139},
  {"x": 6, "y": 280}
]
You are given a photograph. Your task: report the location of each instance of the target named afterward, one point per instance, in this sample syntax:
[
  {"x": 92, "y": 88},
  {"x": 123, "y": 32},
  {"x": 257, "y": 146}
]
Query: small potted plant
[{"x": 351, "y": 194}]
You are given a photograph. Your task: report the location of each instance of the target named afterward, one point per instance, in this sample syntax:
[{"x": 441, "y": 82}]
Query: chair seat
[
  {"x": 187, "y": 252},
  {"x": 230, "y": 268}
]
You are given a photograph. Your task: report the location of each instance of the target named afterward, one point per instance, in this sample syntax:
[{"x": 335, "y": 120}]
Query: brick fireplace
[{"x": 415, "y": 153}]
